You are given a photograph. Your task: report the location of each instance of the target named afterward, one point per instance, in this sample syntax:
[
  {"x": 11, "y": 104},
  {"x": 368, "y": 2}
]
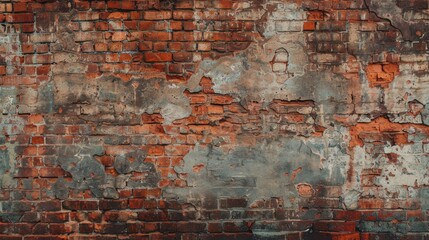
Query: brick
[
  {"x": 391, "y": 68},
  {"x": 88, "y": 36},
  {"x": 112, "y": 204},
  {"x": 86, "y": 227},
  {"x": 118, "y": 15},
  {"x": 335, "y": 226},
  {"x": 2, "y": 70},
  {"x": 87, "y": 16},
  {"x": 152, "y": 215},
  {"x": 55, "y": 217},
  {"x": 183, "y": 57},
  {"x": 20, "y": 18},
  {"x": 158, "y": 57},
  {"x": 23, "y": 172},
  {"x": 156, "y": 36},
  {"x": 193, "y": 227},
  {"x": 332, "y": 236},
  {"x": 157, "y": 15},
  {"x": 119, "y": 36},
  {"x": 100, "y": 47},
  {"x": 49, "y": 206},
  {"x": 309, "y": 26},
  {"x": 183, "y": 15},
  {"x": 80, "y": 205}
]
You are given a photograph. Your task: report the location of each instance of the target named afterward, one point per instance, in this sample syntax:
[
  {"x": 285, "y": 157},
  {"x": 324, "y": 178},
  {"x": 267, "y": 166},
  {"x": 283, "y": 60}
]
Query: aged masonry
[{"x": 214, "y": 119}]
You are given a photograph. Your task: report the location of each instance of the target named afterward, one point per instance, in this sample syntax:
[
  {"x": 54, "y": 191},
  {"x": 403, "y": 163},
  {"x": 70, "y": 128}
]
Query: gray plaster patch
[
  {"x": 109, "y": 94},
  {"x": 8, "y": 99},
  {"x": 350, "y": 198},
  {"x": 424, "y": 197},
  {"x": 405, "y": 88},
  {"x": 131, "y": 162},
  {"x": 271, "y": 168},
  {"x": 408, "y": 26},
  {"x": 10, "y": 126},
  {"x": 88, "y": 173},
  {"x": 7, "y": 164},
  {"x": 425, "y": 114}
]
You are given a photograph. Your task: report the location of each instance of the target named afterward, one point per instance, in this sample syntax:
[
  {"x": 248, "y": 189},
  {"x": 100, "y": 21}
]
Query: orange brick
[
  {"x": 215, "y": 109},
  {"x": 119, "y": 36},
  {"x": 391, "y": 68},
  {"x": 309, "y": 26},
  {"x": 374, "y": 68}
]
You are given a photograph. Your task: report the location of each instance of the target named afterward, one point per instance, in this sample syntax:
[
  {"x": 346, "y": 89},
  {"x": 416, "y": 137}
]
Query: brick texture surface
[{"x": 214, "y": 119}]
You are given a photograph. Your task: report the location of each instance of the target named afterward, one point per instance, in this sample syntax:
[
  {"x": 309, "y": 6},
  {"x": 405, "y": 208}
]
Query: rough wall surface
[{"x": 214, "y": 119}]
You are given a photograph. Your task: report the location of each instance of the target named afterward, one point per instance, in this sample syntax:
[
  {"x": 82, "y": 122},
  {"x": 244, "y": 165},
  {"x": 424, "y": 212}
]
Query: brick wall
[{"x": 214, "y": 119}]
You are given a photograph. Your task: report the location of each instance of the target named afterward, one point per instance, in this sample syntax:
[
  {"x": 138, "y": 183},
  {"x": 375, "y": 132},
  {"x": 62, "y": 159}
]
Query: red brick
[
  {"x": 119, "y": 36},
  {"x": 2, "y": 70},
  {"x": 315, "y": 15},
  {"x": 80, "y": 205},
  {"x": 221, "y": 99},
  {"x": 86, "y": 227},
  {"x": 118, "y": 15},
  {"x": 20, "y": 18},
  {"x": 112, "y": 204},
  {"x": 23, "y": 172},
  {"x": 156, "y": 36},
  {"x": 156, "y": 15},
  {"x": 100, "y": 47},
  {"x": 146, "y": 193},
  {"x": 136, "y": 203},
  {"x": 223, "y": 4},
  {"x": 131, "y": 25},
  {"x": 183, "y": 15},
  {"x": 87, "y": 16},
  {"x": 55, "y": 217},
  {"x": 185, "y": 36},
  {"x": 19, "y": 7},
  {"x": 183, "y": 56},
  {"x": 101, "y": 26},
  {"x": 27, "y": 27},
  {"x": 158, "y": 57},
  {"x": 53, "y": 205},
  {"x": 335, "y": 226}
]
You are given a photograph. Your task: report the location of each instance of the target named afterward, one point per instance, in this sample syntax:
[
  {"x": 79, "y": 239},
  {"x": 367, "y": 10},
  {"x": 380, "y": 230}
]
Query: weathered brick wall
[{"x": 214, "y": 119}]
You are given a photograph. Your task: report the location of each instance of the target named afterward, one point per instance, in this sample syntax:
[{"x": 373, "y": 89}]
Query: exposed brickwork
[{"x": 214, "y": 119}]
